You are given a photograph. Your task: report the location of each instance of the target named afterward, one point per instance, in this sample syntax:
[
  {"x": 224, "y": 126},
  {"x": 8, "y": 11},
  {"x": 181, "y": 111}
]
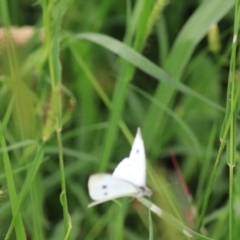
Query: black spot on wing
[{"x": 104, "y": 187}]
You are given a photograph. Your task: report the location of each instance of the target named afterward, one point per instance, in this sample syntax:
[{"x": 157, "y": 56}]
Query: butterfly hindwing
[{"x": 107, "y": 187}]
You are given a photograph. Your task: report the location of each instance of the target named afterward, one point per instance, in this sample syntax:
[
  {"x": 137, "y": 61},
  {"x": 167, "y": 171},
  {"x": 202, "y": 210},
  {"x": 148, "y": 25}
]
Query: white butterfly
[{"x": 128, "y": 178}]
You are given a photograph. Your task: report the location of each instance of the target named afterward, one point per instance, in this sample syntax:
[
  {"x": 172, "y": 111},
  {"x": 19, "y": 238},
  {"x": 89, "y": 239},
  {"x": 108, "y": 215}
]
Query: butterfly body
[{"x": 128, "y": 179}]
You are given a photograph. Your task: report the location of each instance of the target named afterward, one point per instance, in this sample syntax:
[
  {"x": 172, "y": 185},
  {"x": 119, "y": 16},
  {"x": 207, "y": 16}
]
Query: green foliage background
[{"x": 73, "y": 94}]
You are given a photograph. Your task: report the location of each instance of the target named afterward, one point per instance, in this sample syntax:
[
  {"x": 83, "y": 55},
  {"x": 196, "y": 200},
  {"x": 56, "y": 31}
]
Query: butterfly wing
[
  {"x": 133, "y": 168},
  {"x": 105, "y": 187}
]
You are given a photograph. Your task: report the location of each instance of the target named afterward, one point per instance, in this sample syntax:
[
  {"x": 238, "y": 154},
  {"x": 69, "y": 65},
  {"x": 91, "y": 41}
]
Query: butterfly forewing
[{"x": 133, "y": 168}]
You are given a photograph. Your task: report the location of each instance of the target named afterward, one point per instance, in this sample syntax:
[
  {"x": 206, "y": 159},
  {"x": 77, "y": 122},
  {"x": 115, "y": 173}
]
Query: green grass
[{"x": 72, "y": 99}]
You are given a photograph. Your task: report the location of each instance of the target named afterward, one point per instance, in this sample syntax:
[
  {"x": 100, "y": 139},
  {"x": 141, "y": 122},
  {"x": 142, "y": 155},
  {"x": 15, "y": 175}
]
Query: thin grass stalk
[
  {"x": 232, "y": 131},
  {"x": 19, "y": 227},
  {"x": 223, "y": 137},
  {"x": 115, "y": 114},
  {"x": 10, "y": 46},
  {"x": 4, "y": 13},
  {"x": 209, "y": 187},
  {"x": 37, "y": 205},
  {"x": 142, "y": 28},
  {"x": 52, "y": 28},
  {"x": 118, "y": 232},
  {"x": 102, "y": 222},
  {"x": 26, "y": 187},
  {"x": 206, "y": 166},
  {"x": 63, "y": 196},
  {"x": 151, "y": 237}
]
